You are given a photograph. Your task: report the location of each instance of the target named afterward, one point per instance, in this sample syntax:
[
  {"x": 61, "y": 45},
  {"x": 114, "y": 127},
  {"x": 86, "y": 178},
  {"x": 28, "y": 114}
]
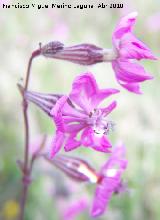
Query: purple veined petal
[
  {"x": 124, "y": 26},
  {"x": 109, "y": 108},
  {"x": 98, "y": 143},
  {"x": 101, "y": 144},
  {"x": 69, "y": 110},
  {"x": 56, "y": 112},
  {"x": 84, "y": 87},
  {"x": 72, "y": 128},
  {"x": 103, "y": 93},
  {"x": 103, "y": 195},
  {"x": 57, "y": 143},
  {"x": 132, "y": 87},
  {"x": 70, "y": 119},
  {"x": 129, "y": 72},
  {"x": 117, "y": 162},
  {"x": 86, "y": 137},
  {"x": 110, "y": 182},
  {"x": 71, "y": 143},
  {"x": 86, "y": 94},
  {"x": 131, "y": 47}
]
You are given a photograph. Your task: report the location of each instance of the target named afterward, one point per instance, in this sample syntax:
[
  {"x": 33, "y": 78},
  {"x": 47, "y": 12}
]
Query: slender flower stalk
[{"x": 26, "y": 167}]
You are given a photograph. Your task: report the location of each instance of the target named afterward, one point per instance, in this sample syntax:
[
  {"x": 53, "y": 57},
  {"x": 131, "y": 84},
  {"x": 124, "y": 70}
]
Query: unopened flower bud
[
  {"x": 77, "y": 169},
  {"x": 83, "y": 54}
]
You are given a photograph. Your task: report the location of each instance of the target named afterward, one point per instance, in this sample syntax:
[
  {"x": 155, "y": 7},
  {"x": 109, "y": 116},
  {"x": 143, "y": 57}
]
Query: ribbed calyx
[{"x": 77, "y": 169}]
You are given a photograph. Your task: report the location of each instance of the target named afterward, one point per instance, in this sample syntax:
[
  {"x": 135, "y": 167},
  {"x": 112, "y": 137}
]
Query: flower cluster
[
  {"x": 80, "y": 118},
  {"x": 126, "y": 50},
  {"x": 108, "y": 180}
]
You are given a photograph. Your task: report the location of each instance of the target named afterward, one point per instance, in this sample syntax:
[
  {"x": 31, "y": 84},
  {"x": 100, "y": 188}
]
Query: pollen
[{"x": 97, "y": 120}]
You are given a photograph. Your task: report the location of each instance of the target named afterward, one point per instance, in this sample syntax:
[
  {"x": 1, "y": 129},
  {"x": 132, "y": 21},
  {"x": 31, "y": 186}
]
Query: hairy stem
[{"x": 26, "y": 166}]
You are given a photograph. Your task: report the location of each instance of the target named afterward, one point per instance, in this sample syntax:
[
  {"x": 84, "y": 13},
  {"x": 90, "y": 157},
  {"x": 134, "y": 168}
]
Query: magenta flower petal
[
  {"x": 130, "y": 74},
  {"x": 86, "y": 139},
  {"x": 86, "y": 94},
  {"x": 124, "y": 26},
  {"x": 109, "y": 108},
  {"x": 57, "y": 143},
  {"x": 110, "y": 179},
  {"x": 103, "y": 195},
  {"x": 71, "y": 143},
  {"x": 132, "y": 87},
  {"x": 127, "y": 45},
  {"x": 56, "y": 111},
  {"x": 98, "y": 98},
  {"x": 116, "y": 161},
  {"x": 128, "y": 48},
  {"x": 132, "y": 48},
  {"x": 83, "y": 88},
  {"x": 96, "y": 141}
]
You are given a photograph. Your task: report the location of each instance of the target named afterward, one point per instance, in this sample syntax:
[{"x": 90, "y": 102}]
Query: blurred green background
[{"x": 137, "y": 117}]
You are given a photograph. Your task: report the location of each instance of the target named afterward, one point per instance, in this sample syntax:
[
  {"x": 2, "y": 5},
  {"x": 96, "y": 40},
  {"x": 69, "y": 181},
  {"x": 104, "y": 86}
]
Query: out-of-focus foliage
[{"x": 137, "y": 117}]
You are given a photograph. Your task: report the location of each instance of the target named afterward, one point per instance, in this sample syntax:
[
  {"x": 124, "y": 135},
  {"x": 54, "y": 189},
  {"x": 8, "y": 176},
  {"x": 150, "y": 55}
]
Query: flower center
[{"x": 99, "y": 123}]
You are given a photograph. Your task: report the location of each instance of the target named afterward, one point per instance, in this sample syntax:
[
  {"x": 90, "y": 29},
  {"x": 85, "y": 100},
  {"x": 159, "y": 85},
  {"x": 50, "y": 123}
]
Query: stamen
[{"x": 97, "y": 120}]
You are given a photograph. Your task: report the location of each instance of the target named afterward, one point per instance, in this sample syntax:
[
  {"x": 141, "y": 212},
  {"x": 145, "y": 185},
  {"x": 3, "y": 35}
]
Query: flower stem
[{"x": 26, "y": 167}]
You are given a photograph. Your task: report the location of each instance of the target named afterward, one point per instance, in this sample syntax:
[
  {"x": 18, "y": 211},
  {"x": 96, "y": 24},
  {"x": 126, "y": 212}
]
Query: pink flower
[
  {"x": 110, "y": 180},
  {"x": 80, "y": 112},
  {"x": 128, "y": 73},
  {"x": 75, "y": 208}
]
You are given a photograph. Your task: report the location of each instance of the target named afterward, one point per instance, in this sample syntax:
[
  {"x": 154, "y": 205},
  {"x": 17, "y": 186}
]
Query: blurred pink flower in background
[
  {"x": 79, "y": 112},
  {"x": 60, "y": 31},
  {"x": 71, "y": 200},
  {"x": 75, "y": 208},
  {"x": 110, "y": 180},
  {"x": 128, "y": 73}
]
